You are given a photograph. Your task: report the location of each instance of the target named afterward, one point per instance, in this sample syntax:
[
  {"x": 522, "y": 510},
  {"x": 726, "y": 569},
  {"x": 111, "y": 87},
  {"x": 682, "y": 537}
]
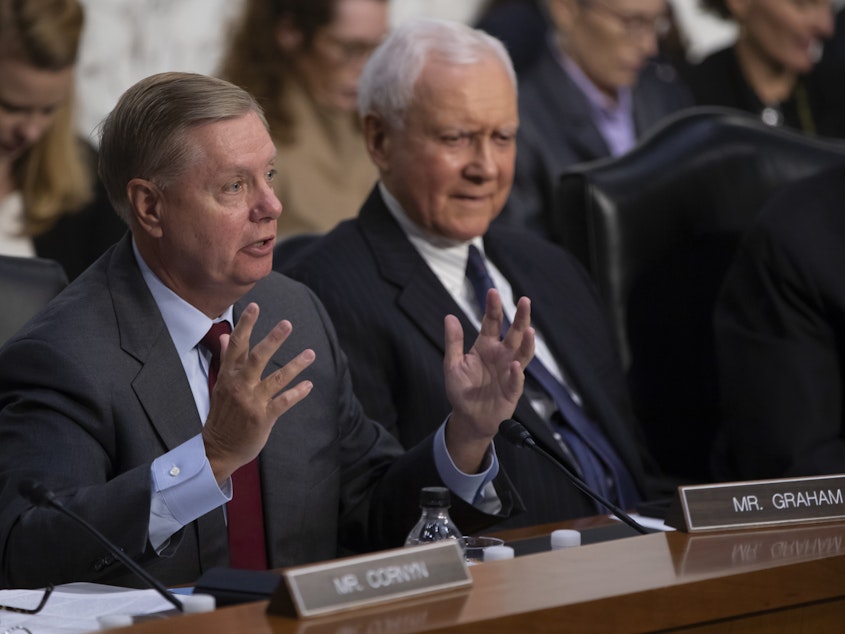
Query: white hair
[{"x": 387, "y": 83}]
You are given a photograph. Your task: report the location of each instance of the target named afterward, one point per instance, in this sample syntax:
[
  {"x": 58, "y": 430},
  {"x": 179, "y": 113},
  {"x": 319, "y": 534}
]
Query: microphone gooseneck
[
  {"x": 40, "y": 495},
  {"x": 516, "y": 434}
]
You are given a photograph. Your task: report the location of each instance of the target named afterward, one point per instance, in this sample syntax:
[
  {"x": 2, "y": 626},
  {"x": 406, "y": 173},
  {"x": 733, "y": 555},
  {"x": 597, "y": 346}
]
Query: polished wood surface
[{"x": 783, "y": 580}]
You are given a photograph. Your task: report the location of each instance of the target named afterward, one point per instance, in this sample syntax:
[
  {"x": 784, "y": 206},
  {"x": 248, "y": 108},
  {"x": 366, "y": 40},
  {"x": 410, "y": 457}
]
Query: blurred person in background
[
  {"x": 521, "y": 25},
  {"x": 596, "y": 89},
  {"x": 772, "y": 69},
  {"x": 302, "y": 60},
  {"x": 51, "y": 204}
]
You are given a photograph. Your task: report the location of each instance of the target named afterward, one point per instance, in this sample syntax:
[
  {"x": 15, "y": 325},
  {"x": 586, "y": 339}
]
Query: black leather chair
[
  {"x": 288, "y": 250},
  {"x": 26, "y": 286},
  {"x": 657, "y": 229}
]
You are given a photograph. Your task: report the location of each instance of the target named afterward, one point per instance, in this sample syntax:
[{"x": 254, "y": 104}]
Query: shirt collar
[
  {"x": 597, "y": 99},
  {"x": 186, "y": 324},
  {"x": 446, "y": 257}
]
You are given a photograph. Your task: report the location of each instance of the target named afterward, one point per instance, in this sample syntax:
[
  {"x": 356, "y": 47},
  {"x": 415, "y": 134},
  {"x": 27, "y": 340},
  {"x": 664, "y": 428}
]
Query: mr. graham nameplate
[
  {"x": 368, "y": 579},
  {"x": 758, "y": 503}
]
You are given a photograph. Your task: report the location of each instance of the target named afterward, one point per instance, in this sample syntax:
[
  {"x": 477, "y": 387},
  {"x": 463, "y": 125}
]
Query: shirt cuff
[
  {"x": 183, "y": 489},
  {"x": 471, "y": 488}
]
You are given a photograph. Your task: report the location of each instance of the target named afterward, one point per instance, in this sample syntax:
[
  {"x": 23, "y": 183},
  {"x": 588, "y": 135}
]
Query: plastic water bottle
[{"x": 434, "y": 523}]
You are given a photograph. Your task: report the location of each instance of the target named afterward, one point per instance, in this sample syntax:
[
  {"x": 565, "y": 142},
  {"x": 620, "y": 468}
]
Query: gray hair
[
  {"x": 387, "y": 84},
  {"x": 145, "y": 135}
]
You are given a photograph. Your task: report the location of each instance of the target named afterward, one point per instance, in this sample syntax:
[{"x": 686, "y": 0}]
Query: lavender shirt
[{"x": 615, "y": 121}]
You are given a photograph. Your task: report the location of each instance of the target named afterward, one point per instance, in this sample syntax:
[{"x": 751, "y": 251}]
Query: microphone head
[
  {"x": 515, "y": 433},
  {"x": 36, "y": 492}
]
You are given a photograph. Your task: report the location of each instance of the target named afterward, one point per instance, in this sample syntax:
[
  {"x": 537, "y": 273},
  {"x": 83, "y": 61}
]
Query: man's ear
[
  {"x": 379, "y": 139},
  {"x": 288, "y": 36},
  {"x": 145, "y": 201}
]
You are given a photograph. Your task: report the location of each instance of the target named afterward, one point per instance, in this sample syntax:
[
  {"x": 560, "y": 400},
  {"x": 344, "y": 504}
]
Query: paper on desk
[
  {"x": 650, "y": 522},
  {"x": 74, "y": 607}
]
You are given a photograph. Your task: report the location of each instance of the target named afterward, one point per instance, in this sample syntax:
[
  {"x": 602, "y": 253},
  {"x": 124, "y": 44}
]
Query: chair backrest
[
  {"x": 657, "y": 229},
  {"x": 26, "y": 286},
  {"x": 289, "y": 249}
]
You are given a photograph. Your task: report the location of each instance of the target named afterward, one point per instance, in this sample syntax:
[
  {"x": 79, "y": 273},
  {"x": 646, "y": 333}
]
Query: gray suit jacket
[
  {"x": 92, "y": 391},
  {"x": 557, "y": 131}
]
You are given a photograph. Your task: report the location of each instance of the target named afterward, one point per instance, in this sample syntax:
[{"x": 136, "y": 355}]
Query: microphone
[
  {"x": 40, "y": 495},
  {"x": 516, "y": 434}
]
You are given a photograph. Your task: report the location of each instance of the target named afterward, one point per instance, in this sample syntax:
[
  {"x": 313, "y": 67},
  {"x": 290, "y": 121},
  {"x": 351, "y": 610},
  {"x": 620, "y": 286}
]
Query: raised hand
[
  {"x": 484, "y": 385},
  {"x": 245, "y": 407}
]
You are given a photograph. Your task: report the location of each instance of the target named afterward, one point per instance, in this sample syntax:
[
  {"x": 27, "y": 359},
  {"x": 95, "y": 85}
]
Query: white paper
[{"x": 74, "y": 608}]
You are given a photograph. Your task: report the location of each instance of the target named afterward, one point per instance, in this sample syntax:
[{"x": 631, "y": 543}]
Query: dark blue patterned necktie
[{"x": 600, "y": 466}]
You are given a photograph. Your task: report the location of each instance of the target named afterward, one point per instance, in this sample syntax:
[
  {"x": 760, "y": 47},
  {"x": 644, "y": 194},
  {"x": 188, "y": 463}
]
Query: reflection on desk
[{"x": 662, "y": 581}]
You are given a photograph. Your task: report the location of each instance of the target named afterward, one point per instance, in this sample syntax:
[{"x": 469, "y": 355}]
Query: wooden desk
[{"x": 784, "y": 580}]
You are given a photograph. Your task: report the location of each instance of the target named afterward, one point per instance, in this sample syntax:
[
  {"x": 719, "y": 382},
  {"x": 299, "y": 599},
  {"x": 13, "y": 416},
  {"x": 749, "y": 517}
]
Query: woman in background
[
  {"x": 50, "y": 202},
  {"x": 771, "y": 70},
  {"x": 302, "y": 59}
]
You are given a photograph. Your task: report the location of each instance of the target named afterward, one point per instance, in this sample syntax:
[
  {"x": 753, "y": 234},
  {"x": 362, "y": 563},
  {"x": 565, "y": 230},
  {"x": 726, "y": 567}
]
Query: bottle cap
[
  {"x": 434, "y": 496},
  {"x": 564, "y": 538},
  {"x": 497, "y": 553},
  {"x": 196, "y": 603}
]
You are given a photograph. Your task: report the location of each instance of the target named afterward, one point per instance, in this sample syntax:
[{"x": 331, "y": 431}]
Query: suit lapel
[
  {"x": 420, "y": 295},
  {"x": 568, "y": 110},
  {"x": 565, "y": 346},
  {"x": 524, "y": 273},
  {"x": 160, "y": 385}
]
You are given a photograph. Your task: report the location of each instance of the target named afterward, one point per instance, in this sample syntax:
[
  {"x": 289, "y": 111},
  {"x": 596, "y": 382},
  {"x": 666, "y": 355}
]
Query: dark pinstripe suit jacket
[
  {"x": 388, "y": 308},
  {"x": 92, "y": 391}
]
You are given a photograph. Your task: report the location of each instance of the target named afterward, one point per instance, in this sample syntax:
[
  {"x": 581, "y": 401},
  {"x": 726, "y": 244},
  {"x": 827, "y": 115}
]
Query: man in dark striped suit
[{"x": 438, "y": 104}]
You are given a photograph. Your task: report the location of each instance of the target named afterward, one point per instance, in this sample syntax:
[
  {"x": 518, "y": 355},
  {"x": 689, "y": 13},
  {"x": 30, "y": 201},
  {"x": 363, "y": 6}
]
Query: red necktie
[{"x": 245, "y": 517}]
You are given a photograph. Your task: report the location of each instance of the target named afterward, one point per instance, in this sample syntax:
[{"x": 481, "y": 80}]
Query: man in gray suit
[
  {"x": 108, "y": 399},
  {"x": 595, "y": 90}
]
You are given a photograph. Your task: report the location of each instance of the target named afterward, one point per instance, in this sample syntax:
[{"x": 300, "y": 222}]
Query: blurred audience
[
  {"x": 771, "y": 70},
  {"x": 596, "y": 89},
  {"x": 521, "y": 25},
  {"x": 51, "y": 204},
  {"x": 780, "y": 333},
  {"x": 302, "y": 60}
]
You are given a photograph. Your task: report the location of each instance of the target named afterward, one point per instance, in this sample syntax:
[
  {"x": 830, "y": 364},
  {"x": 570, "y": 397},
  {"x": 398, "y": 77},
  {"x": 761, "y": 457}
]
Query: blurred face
[
  {"x": 609, "y": 40},
  {"x": 785, "y": 34},
  {"x": 333, "y": 63},
  {"x": 29, "y": 100},
  {"x": 215, "y": 227},
  {"x": 451, "y": 166}
]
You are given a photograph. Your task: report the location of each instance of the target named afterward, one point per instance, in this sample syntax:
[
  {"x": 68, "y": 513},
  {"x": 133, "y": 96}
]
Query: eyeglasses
[
  {"x": 812, "y": 5},
  {"x": 634, "y": 25},
  {"x": 347, "y": 51},
  {"x": 47, "y": 592}
]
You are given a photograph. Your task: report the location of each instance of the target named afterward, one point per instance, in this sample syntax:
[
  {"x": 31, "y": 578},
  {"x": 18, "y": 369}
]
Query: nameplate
[
  {"x": 758, "y": 503},
  {"x": 365, "y": 580}
]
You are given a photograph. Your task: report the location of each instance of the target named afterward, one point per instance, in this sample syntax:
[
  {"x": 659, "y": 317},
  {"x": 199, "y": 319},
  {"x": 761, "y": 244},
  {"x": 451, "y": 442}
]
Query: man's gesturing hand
[
  {"x": 245, "y": 406},
  {"x": 485, "y": 384}
]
